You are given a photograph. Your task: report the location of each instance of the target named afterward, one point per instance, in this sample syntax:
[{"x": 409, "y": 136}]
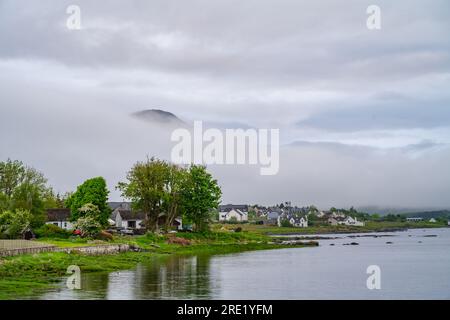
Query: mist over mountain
[{"x": 158, "y": 116}]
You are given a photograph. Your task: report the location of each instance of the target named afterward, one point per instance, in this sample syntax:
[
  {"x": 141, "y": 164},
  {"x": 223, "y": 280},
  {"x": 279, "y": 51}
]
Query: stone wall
[
  {"x": 14, "y": 252},
  {"x": 88, "y": 250},
  {"x": 100, "y": 249}
]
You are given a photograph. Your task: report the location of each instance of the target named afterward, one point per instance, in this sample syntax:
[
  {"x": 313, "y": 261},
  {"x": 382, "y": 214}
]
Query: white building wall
[{"x": 66, "y": 225}]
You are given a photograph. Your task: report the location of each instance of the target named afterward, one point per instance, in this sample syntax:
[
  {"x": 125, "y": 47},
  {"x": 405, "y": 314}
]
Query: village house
[
  {"x": 237, "y": 212},
  {"x": 299, "y": 222},
  {"x": 272, "y": 218},
  {"x": 123, "y": 217},
  {"x": 333, "y": 221},
  {"x": 127, "y": 219},
  {"x": 320, "y": 214},
  {"x": 228, "y": 207},
  {"x": 233, "y": 214},
  {"x": 294, "y": 220},
  {"x": 348, "y": 221},
  {"x": 432, "y": 220},
  {"x": 59, "y": 218}
]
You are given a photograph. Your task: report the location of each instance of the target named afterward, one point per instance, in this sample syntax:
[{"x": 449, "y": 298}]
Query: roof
[
  {"x": 297, "y": 219},
  {"x": 229, "y": 207},
  {"x": 273, "y": 215},
  {"x": 130, "y": 215},
  {"x": 235, "y": 210},
  {"x": 58, "y": 214},
  {"x": 119, "y": 205}
]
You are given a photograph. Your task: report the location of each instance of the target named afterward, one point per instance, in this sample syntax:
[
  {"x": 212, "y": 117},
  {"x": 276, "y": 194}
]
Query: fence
[{"x": 14, "y": 247}]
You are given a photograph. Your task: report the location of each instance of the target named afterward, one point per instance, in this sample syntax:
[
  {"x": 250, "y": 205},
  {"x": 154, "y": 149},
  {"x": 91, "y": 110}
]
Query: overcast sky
[{"x": 364, "y": 115}]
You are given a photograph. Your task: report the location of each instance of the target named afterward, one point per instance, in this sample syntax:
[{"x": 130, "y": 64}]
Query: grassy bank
[
  {"x": 371, "y": 226},
  {"x": 28, "y": 275}
]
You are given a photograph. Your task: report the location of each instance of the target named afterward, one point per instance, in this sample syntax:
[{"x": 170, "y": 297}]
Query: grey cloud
[
  {"x": 66, "y": 96},
  {"x": 387, "y": 113}
]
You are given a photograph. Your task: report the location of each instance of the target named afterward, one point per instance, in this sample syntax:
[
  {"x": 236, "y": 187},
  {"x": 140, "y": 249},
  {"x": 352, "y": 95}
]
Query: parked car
[{"x": 126, "y": 232}]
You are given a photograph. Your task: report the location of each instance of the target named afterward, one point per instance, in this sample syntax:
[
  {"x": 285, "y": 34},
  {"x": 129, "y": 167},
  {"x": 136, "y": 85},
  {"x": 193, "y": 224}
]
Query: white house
[
  {"x": 127, "y": 219},
  {"x": 232, "y": 214},
  {"x": 433, "y": 220},
  {"x": 320, "y": 214},
  {"x": 337, "y": 215},
  {"x": 59, "y": 218},
  {"x": 299, "y": 222},
  {"x": 350, "y": 221},
  {"x": 333, "y": 221}
]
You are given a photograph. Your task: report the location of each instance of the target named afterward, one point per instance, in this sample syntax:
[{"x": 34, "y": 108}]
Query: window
[
  {"x": 132, "y": 224},
  {"x": 55, "y": 224}
]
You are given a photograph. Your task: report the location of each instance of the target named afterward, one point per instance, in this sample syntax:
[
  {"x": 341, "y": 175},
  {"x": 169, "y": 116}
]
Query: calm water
[{"x": 414, "y": 266}]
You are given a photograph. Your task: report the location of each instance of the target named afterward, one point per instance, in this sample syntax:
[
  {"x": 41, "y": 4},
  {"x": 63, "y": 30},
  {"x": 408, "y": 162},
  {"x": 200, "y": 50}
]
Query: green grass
[
  {"x": 28, "y": 275},
  {"x": 371, "y": 226}
]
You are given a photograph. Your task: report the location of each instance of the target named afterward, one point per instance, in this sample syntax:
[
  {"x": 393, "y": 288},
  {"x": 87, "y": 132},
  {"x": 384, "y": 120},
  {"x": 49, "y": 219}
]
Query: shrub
[
  {"x": 89, "y": 224},
  {"x": 285, "y": 223},
  {"x": 51, "y": 231},
  {"x": 14, "y": 224},
  {"x": 180, "y": 241},
  {"x": 103, "y": 235}
]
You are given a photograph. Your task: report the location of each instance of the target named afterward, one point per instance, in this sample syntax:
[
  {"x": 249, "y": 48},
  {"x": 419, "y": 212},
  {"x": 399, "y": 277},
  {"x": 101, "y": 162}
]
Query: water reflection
[
  {"x": 171, "y": 277},
  {"x": 414, "y": 265}
]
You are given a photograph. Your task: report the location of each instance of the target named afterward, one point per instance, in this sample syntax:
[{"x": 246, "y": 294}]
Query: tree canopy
[
  {"x": 23, "y": 188},
  {"x": 160, "y": 189},
  {"x": 200, "y": 195},
  {"x": 93, "y": 191}
]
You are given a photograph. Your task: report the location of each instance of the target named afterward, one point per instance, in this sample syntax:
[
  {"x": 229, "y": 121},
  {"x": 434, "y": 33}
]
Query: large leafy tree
[
  {"x": 25, "y": 188},
  {"x": 200, "y": 195},
  {"x": 176, "y": 179},
  {"x": 93, "y": 191},
  {"x": 146, "y": 188}
]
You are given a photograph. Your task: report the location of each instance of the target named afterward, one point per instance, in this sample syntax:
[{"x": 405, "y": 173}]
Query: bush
[
  {"x": 106, "y": 236},
  {"x": 89, "y": 224},
  {"x": 51, "y": 231},
  {"x": 14, "y": 223},
  {"x": 285, "y": 223}
]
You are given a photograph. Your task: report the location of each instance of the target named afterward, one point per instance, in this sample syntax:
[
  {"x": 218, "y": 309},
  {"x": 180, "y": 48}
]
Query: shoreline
[
  {"x": 306, "y": 235},
  {"x": 31, "y": 275},
  {"x": 28, "y": 276}
]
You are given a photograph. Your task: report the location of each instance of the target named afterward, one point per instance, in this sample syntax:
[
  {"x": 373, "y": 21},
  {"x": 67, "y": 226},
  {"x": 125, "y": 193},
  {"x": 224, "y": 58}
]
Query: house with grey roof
[{"x": 59, "y": 218}]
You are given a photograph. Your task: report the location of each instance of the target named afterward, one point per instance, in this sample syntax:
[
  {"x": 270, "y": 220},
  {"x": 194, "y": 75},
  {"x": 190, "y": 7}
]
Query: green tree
[
  {"x": 93, "y": 191},
  {"x": 23, "y": 187},
  {"x": 147, "y": 189},
  {"x": 200, "y": 195},
  {"x": 176, "y": 178},
  {"x": 285, "y": 223}
]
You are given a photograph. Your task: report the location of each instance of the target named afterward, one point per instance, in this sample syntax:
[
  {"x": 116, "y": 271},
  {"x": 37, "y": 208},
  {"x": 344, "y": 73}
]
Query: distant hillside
[
  {"x": 430, "y": 214},
  {"x": 398, "y": 210},
  {"x": 157, "y": 116}
]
